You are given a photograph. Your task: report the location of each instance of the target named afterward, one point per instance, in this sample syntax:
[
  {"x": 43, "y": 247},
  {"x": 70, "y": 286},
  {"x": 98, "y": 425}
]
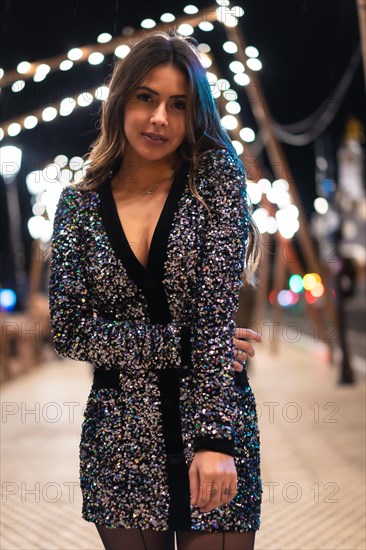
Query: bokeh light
[
  {"x": 296, "y": 283},
  {"x": 8, "y": 299}
]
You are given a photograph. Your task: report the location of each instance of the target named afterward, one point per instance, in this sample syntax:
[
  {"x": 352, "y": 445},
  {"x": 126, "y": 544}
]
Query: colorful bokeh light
[
  {"x": 310, "y": 280},
  {"x": 8, "y": 299},
  {"x": 287, "y": 298},
  {"x": 296, "y": 283},
  {"x": 318, "y": 290},
  {"x": 309, "y": 297}
]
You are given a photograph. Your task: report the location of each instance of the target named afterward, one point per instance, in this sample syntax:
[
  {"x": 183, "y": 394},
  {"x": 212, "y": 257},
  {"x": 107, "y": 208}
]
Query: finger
[
  {"x": 240, "y": 355},
  {"x": 238, "y": 366},
  {"x": 204, "y": 495},
  {"x": 212, "y": 498},
  {"x": 248, "y": 333},
  {"x": 194, "y": 484},
  {"x": 246, "y": 347},
  {"x": 229, "y": 491}
]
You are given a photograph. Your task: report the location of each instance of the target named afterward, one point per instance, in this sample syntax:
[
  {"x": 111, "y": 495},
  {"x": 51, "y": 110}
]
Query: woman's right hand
[{"x": 243, "y": 348}]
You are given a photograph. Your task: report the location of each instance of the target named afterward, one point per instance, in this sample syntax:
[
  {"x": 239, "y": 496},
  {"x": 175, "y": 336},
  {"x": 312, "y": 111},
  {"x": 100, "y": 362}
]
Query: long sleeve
[
  {"x": 221, "y": 269},
  {"x": 80, "y": 333}
]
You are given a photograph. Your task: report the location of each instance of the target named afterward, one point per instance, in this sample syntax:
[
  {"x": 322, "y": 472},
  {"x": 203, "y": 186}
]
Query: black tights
[{"x": 146, "y": 539}]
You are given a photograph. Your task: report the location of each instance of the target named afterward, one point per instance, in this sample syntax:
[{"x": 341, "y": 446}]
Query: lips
[{"x": 155, "y": 137}]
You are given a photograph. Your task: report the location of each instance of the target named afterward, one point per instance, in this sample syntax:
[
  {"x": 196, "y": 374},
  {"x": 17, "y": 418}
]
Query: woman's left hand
[
  {"x": 244, "y": 348},
  {"x": 212, "y": 480}
]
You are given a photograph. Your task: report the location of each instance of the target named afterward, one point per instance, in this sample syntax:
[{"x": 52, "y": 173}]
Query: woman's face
[{"x": 155, "y": 118}]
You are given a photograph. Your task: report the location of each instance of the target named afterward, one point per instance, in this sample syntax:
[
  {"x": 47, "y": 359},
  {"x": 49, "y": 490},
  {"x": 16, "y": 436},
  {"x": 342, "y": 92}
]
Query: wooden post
[
  {"x": 282, "y": 170},
  {"x": 361, "y": 10}
]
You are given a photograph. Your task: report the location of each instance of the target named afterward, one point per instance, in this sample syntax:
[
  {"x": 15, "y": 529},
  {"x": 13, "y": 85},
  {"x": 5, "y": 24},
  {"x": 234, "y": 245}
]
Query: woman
[{"x": 147, "y": 262}]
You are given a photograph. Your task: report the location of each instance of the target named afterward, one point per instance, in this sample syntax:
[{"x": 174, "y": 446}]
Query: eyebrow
[{"x": 156, "y": 93}]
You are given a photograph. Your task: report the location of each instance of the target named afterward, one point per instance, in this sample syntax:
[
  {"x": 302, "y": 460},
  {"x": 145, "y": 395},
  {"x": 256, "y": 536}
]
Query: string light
[
  {"x": 242, "y": 79},
  {"x": 23, "y": 67},
  {"x": 101, "y": 93},
  {"x": 104, "y": 37},
  {"x": 230, "y": 95},
  {"x": 247, "y": 135},
  {"x": 236, "y": 67},
  {"x": 230, "y": 47},
  {"x": 226, "y": 16},
  {"x": 229, "y": 122},
  {"x": 167, "y": 18},
  {"x": 254, "y": 192},
  {"x": 79, "y": 54},
  {"x": 95, "y": 58},
  {"x": 272, "y": 226},
  {"x": 321, "y": 205},
  {"x": 122, "y": 51},
  {"x": 84, "y": 99},
  {"x": 205, "y": 60},
  {"x": 14, "y": 129},
  {"x": 67, "y": 105},
  {"x": 190, "y": 9},
  {"x": 30, "y": 122},
  {"x": 76, "y": 163},
  {"x": 46, "y": 185},
  {"x": 205, "y": 26},
  {"x": 264, "y": 184},
  {"x": 260, "y": 216},
  {"x": 61, "y": 160},
  {"x": 250, "y": 51},
  {"x": 254, "y": 64},
  {"x": 75, "y": 54},
  {"x": 233, "y": 107},
  {"x": 211, "y": 77},
  {"x": 223, "y": 84},
  {"x": 49, "y": 113},
  {"x": 41, "y": 72},
  {"x": 203, "y": 47},
  {"x": 185, "y": 29},
  {"x": 148, "y": 24},
  {"x": 238, "y": 11},
  {"x": 18, "y": 86},
  {"x": 66, "y": 65},
  {"x": 238, "y": 147},
  {"x": 287, "y": 221}
]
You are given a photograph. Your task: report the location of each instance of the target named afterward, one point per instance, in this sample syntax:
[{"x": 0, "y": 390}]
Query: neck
[{"x": 140, "y": 174}]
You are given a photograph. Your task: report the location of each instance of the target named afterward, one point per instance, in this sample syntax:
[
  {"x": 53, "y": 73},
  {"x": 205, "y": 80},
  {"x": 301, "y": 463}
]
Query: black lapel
[{"x": 149, "y": 279}]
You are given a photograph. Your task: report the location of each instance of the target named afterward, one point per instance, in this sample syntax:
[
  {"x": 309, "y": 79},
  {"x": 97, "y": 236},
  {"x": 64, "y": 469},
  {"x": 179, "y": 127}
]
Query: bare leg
[
  {"x": 226, "y": 540},
  {"x": 135, "y": 539}
]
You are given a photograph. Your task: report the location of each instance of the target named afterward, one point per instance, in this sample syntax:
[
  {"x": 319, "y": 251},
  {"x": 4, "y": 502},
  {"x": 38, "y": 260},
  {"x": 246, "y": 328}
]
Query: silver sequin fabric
[{"x": 100, "y": 315}]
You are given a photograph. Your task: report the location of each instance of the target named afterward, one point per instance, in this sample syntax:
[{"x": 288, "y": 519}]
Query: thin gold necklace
[{"x": 152, "y": 189}]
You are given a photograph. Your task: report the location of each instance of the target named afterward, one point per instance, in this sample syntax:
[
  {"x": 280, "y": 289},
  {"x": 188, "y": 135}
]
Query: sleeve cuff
[{"x": 218, "y": 445}]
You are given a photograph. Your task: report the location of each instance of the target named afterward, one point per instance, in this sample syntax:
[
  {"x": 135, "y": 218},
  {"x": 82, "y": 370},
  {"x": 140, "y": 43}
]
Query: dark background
[{"x": 305, "y": 47}]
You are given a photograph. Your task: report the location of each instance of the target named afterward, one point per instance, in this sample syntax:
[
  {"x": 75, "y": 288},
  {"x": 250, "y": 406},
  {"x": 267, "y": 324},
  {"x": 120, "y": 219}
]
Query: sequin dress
[{"x": 160, "y": 341}]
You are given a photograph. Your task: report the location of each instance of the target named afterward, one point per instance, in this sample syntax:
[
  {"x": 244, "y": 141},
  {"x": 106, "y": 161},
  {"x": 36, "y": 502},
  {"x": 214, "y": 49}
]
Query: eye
[
  {"x": 180, "y": 105},
  {"x": 144, "y": 97}
]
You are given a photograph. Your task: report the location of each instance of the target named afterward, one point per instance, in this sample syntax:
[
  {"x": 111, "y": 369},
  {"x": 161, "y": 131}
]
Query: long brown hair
[{"x": 203, "y": 127}]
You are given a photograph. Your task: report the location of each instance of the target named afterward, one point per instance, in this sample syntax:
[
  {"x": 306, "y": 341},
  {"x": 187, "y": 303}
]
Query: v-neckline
[{"x": 158, "y": 247}]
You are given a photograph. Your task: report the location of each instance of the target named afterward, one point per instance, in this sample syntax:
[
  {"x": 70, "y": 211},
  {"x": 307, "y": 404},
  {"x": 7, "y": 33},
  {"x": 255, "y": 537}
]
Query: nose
[{"x": 159, "y": 116}]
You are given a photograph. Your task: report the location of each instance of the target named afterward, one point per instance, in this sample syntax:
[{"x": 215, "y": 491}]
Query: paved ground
[{"x": 313, "y": 463}]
